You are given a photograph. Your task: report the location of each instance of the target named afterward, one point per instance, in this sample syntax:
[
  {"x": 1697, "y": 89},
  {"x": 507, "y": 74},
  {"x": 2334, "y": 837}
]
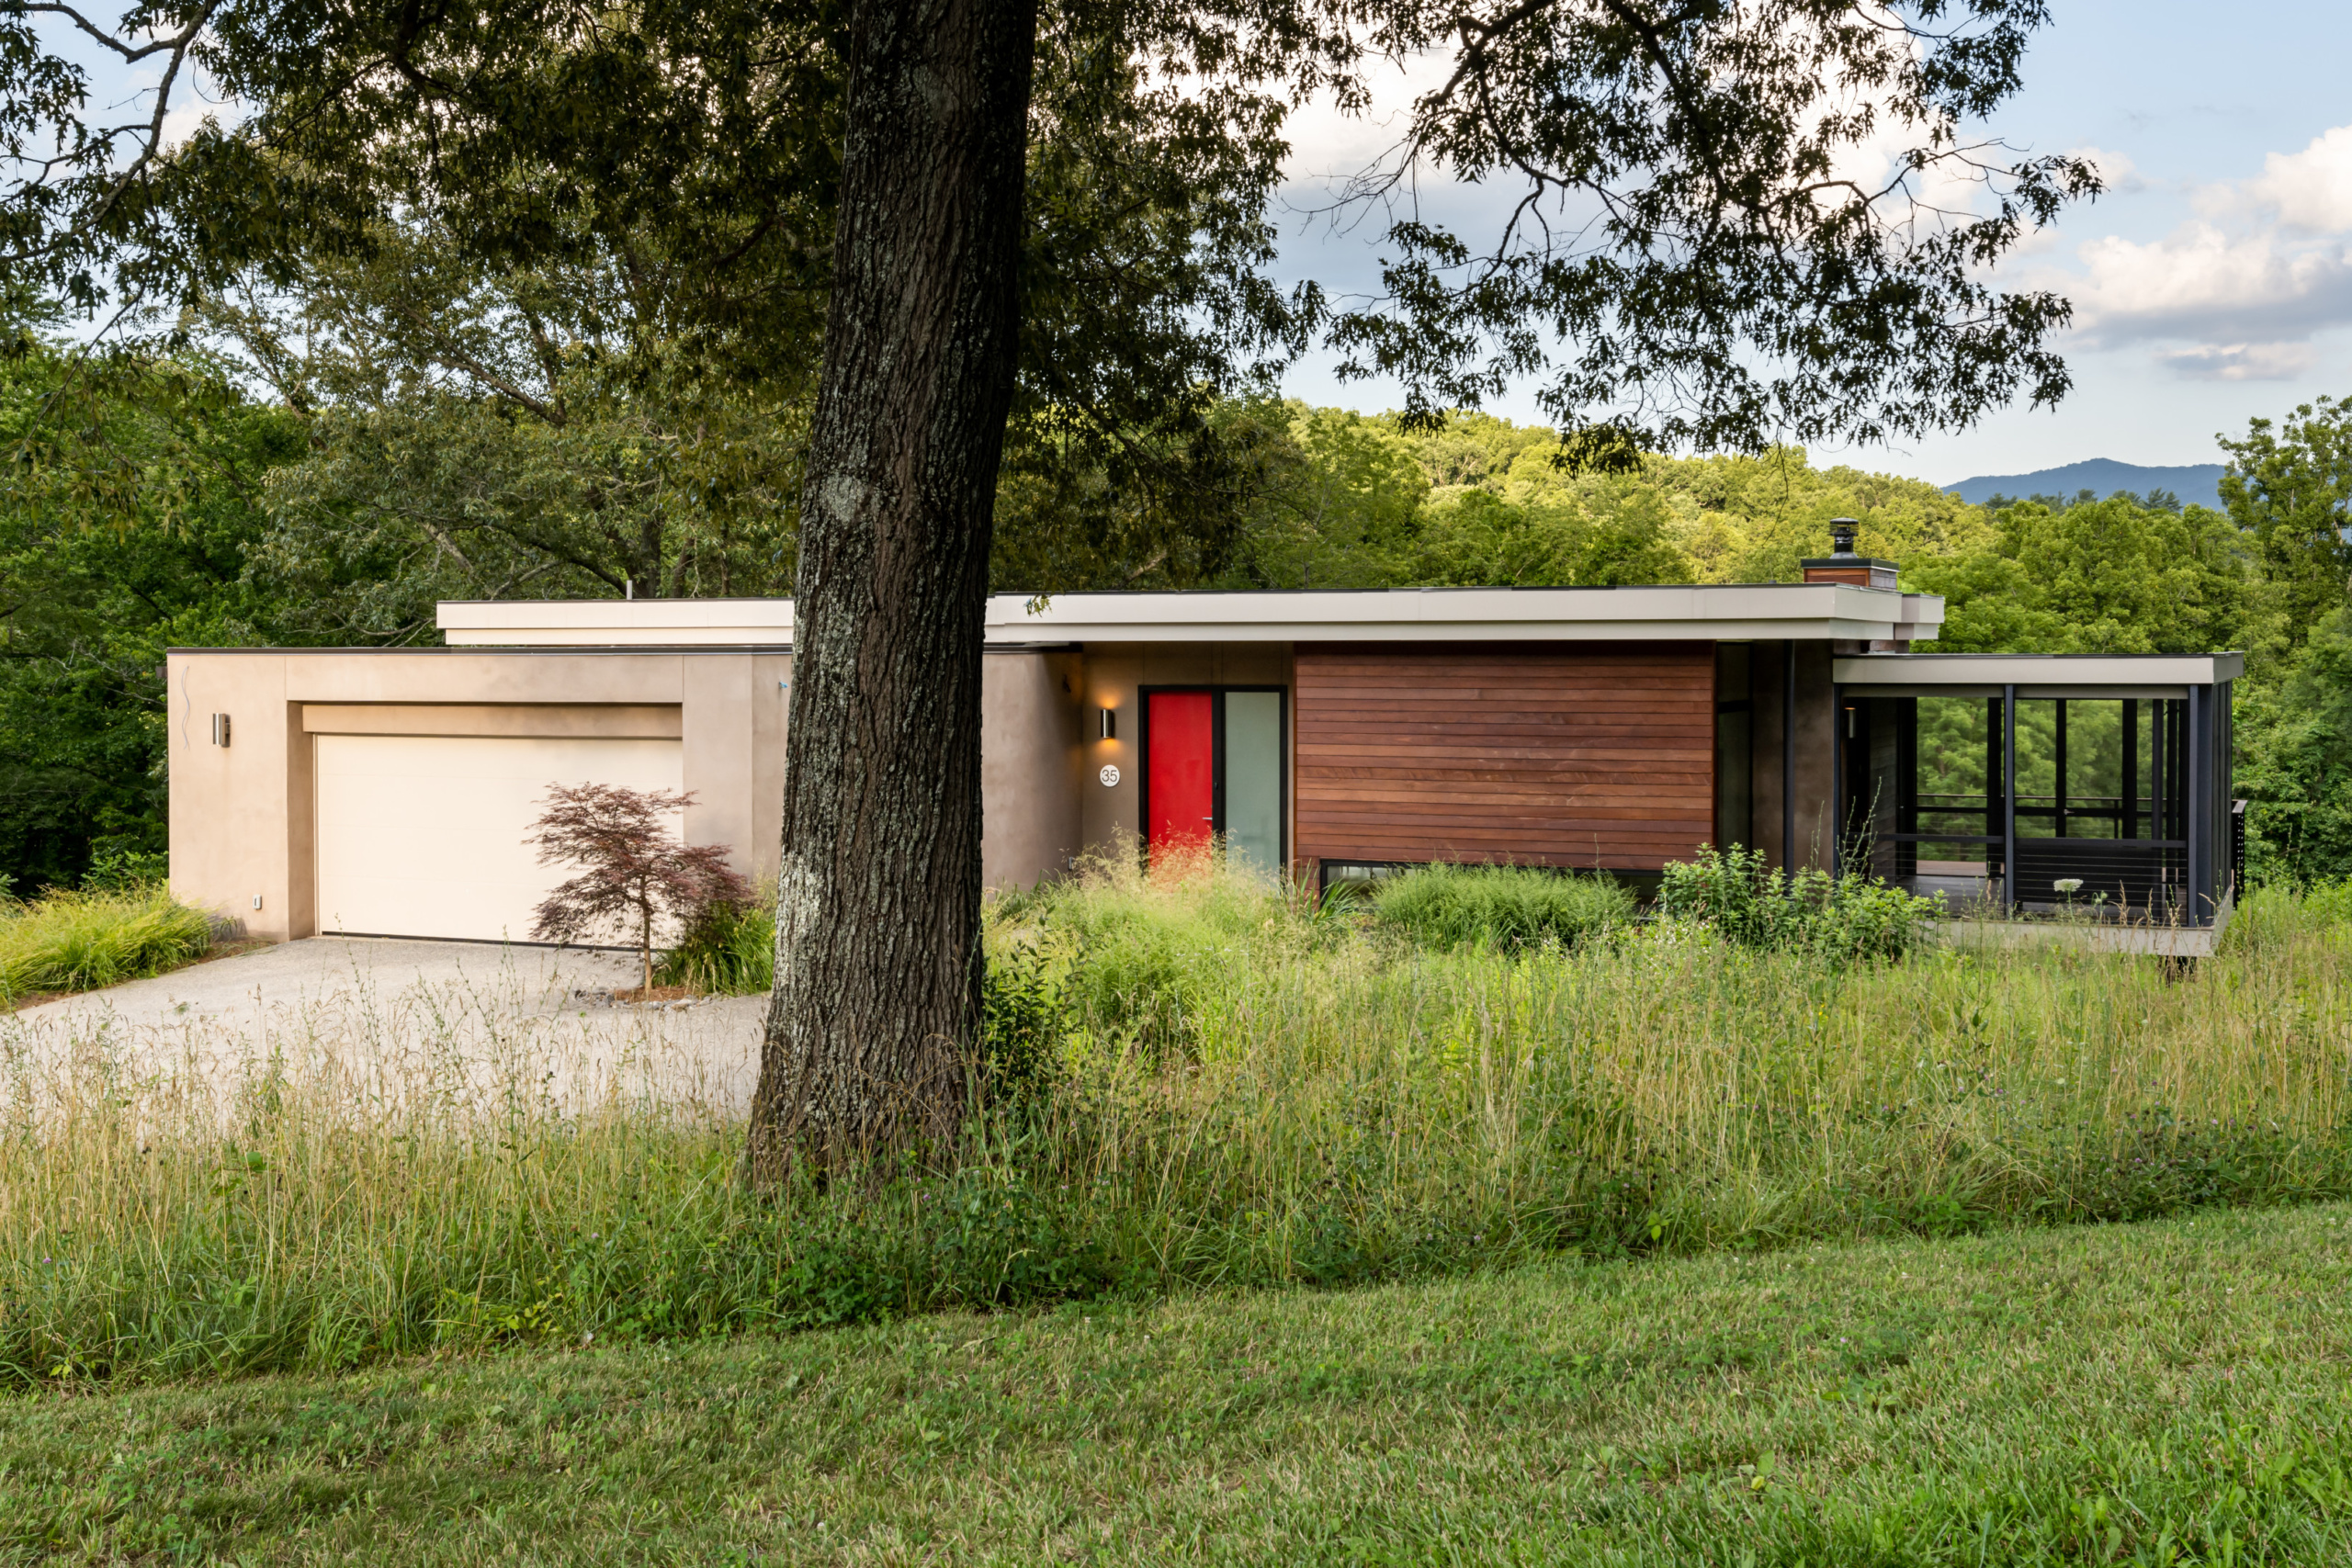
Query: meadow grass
[
  {"x": 1222, "y": 1088},
  {"x": 2173, "y": 1392},
  {"x": 69, "y": 941}
]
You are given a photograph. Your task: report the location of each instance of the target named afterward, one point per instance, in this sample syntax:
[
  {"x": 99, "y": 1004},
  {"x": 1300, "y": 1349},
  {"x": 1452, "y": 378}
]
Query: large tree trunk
[{"x": 878, "y": 899}]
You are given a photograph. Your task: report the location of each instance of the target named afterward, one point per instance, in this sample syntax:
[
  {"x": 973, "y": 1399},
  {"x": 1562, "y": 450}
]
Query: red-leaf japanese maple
[{"x": 635, "y": 871}]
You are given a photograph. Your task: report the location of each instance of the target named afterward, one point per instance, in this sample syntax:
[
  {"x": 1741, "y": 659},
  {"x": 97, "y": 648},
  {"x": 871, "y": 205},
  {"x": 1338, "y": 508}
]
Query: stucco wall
[
  {"x": 241, "y": 816},
  {"x": 1030, "y": 762},
  {"x": 233, "y": 837}
]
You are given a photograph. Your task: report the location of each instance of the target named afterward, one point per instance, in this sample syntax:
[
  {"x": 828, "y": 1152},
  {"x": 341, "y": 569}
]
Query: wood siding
[{"x": 1546, "y": 754}]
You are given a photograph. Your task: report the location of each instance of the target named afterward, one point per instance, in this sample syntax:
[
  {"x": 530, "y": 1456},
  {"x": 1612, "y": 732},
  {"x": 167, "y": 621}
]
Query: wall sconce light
[
  {"x": 1109, "y": 717},
  {"x": 219, "y": 730}
]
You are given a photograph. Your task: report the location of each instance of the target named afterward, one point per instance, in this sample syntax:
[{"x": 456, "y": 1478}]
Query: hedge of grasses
[
  {"x": 68, "y": 941},
  {"x": 1199, "y": 1082},
  {"x": 1500, "y": 908}
]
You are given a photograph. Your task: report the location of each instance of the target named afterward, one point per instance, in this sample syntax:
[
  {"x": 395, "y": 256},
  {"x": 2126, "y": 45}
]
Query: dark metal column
[
  {"x": 2130, "y": 827},
  {"x": 2198, "y": 807},
  {"x": 2059, "y": 831},
  {"x": 2008, "y": 798},
  {"x": 1837, "y": 774},
  {"x": 1789, "y": 757}
]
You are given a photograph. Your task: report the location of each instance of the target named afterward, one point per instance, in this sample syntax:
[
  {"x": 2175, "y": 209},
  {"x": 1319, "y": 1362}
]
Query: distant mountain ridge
[{"x": 2197, "y": 484}]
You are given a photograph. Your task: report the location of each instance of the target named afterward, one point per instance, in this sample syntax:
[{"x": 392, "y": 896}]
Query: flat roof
[{"x": 1713, "y": 612}]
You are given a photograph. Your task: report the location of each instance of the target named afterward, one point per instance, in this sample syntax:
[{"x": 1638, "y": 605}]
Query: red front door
[{"x": 1180, "y": 772}]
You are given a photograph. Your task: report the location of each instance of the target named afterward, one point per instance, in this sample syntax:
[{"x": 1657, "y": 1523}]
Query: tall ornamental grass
[
  {"x": 1194, "y": 1080},
  {"x": 1500, "y": 908},
  {"x": 67, "y": 940}
]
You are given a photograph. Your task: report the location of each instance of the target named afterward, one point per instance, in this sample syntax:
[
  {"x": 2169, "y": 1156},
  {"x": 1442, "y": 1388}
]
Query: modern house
[{"x": 1333, "y": 734}]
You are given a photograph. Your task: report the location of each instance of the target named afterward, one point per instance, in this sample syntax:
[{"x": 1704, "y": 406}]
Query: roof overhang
[
  {"x": 1828, "y": 611},
  {"x": 2036, "y": 674}
]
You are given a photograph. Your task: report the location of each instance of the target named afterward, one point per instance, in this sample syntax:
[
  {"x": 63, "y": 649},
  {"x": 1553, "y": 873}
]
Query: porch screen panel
[{"x": 1590, "y": 754}]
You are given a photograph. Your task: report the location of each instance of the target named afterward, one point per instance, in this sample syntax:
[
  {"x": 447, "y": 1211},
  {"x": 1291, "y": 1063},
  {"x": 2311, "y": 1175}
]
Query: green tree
[
  {"x": 2107, "y": 576},
  {"x": 1342, "y": 494},
  {"x": 131, "y": 502},
  {"x": 476, "y": 434},
  {"x": 2295, "y": 758},
  {"x": 2289, "y": 488},
  {"x": 1614, "y": 535}
]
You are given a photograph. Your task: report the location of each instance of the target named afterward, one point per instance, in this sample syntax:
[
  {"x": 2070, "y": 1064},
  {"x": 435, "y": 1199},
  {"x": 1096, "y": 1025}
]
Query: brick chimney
[{"x": 1842, "y": 565}]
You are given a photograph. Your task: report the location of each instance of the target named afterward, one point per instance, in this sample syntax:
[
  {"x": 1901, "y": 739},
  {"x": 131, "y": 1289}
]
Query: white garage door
[{"x": 421, "y": 835}]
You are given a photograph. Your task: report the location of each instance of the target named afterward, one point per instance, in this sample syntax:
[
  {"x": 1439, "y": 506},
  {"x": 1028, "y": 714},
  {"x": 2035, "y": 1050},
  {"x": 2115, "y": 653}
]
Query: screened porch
[{"x": 2016, "y": 786}]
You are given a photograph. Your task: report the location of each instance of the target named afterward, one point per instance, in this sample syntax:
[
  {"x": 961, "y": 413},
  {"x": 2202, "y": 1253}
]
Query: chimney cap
[{"x": 1841, "y": 536}]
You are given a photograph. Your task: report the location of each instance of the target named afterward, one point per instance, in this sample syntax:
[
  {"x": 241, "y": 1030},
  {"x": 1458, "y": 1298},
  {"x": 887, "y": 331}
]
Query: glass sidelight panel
[{"x": 1253, "y": 778}]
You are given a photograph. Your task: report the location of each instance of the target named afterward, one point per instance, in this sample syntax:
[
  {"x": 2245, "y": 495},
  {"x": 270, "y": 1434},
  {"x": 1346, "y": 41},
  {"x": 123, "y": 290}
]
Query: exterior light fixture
[
  {"x": 1110, "y": 726},
  {"x": 219, "y": 730}
]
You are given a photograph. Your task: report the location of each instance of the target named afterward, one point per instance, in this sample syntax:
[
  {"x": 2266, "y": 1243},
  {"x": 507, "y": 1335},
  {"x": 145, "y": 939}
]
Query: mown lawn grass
[{"x": 2175, "y": 1391}]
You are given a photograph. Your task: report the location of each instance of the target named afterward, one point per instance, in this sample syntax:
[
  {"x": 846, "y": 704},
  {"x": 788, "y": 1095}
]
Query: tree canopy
[{"x": 1734, "y": 225}]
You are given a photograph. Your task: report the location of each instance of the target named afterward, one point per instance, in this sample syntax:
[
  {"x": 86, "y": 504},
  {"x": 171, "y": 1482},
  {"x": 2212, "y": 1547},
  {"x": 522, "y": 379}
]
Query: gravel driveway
[{"x": 396, "y": 1017}]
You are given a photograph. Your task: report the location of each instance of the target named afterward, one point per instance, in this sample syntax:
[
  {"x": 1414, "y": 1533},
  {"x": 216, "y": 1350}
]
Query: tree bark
[{"x": 879, "y": 896}]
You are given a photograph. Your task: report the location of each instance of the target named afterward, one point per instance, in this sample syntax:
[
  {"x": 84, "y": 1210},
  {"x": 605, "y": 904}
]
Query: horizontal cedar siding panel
[
  {"x": 1557, "y": 762},
  {"x": 1366, "y": 805},
  {"x": 1595, "y": 754}
]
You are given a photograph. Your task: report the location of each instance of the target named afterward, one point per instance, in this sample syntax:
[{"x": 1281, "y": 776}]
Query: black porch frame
[{"x": 2165, "y": 845}]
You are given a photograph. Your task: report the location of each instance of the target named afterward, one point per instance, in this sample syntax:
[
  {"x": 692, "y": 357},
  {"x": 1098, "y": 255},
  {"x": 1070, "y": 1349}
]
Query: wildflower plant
[{"x": 1752, "y": 904}]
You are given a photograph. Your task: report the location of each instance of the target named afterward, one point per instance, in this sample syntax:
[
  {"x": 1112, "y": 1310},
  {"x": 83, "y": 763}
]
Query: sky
[{"x": 2212, "y": 283}]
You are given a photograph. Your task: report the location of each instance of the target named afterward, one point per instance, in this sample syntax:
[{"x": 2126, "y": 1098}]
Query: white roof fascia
[
  {"x": 1728, "y": 614},
  {"x": 2061, "y": 674},
  {"x": 1704, "y": 613},
  {"x": 607, "y": 622}
]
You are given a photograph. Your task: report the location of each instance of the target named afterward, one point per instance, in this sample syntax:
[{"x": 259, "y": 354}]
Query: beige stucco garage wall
[{"x": 241, "y": 816}]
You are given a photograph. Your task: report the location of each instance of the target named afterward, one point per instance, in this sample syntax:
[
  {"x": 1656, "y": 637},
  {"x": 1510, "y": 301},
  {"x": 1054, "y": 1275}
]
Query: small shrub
[
  {"x": 1501, "y": 906},
  {"x": 1021, "y": 1027},
  {"x": 67, "y": 940},
  {"x": 118, "y": 868},
  {"x": 1743, "y": 900},
  {"x": 726, "y": 949},
  {"x": 634, "y": 871}
]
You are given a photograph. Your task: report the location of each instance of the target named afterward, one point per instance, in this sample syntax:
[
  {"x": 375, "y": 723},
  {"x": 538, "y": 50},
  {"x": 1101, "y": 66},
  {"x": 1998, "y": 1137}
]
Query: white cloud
[
  {"x": 2310, "y": 190},
  {"x": 2244, "y": 361},
  {"x": 2238, "y": 294},
  {"x": 2205, "y": 283}
]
